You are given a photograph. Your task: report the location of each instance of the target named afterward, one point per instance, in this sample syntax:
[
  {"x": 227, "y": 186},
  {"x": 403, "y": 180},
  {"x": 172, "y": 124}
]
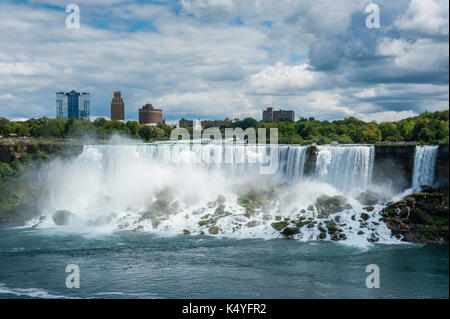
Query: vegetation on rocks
[
  {"x": 421, "y": 217},
  {"x": 327, "y": 205},
  {"x": 19, "y": 189}
]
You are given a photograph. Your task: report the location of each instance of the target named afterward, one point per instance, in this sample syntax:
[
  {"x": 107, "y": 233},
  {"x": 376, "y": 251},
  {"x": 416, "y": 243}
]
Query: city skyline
[
  {"x": 217, "y": 59},
  {"x": 117, "y": 107}
]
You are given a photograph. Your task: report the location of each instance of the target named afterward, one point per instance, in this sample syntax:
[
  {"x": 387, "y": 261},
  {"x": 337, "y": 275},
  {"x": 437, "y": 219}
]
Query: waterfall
[
  {"x": 345, "y": 167},
  {"x": 292, "y": 161},
  {"x": 424, "y": 165},
  {"x": 183, "y": 186}
]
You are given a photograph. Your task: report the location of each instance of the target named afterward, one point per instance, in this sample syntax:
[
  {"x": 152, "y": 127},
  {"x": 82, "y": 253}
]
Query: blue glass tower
[
  {"x": 73, "y": 105},
  {"x": 72, "y": 99}
]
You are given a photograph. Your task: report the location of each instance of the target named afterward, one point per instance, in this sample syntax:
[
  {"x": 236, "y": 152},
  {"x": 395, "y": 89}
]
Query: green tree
[
  {"x": 371, "y": 133},
  {"x": 390, "y": 131}
]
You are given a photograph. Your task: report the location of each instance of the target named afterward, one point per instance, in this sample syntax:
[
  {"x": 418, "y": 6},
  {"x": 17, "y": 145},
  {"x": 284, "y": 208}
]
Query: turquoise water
[{"x": 142, "y": 265}]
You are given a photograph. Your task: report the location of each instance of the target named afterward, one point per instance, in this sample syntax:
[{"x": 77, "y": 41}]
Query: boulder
[
  {"x": 139, "y": 227},
  {"x": 220, "y": 210},
  {"x": 369, "y": 198},
  {"x": 214, "y": 230},
  {"x": 426, "y": 188},
  {"x": 156, "y": 223},
  {"x": 252, "y": 223},
  {"x": 330, "y": 204},
  {"x": 289, "y": 231},
  {"x": 279, "y": 225},
  {"x": 203, "y": 223},
  {"x": 61, "y": 217},
  {"x": 365, "y": 216},
  {"x": 335, "y": 237},
  {"x": 331, "y": 227}
]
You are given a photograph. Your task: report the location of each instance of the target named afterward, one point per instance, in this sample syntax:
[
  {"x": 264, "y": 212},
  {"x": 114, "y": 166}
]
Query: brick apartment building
[{"x": 270, "y": 115}]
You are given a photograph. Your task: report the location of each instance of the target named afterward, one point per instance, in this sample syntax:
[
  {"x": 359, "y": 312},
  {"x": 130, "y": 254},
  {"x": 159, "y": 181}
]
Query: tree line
[
  {"x": 426, "y": 128},
  {"x": 100, "y": 128}
]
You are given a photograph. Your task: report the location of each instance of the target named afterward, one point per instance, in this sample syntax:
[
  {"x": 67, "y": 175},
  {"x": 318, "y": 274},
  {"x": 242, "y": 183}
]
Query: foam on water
[{"x": 28, "y": 292}]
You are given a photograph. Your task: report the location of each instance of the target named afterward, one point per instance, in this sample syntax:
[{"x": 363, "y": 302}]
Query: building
[
  {"x": 117, "y": 107},
  {"x": 185, "y": 123},
  {"x": 204, "y": 123},
  {"x": 73, "y": 105},
  {"x": 212, "y": 123},
  {"x": 149, "y": 115},
  {"x": 270, "y": 115}
]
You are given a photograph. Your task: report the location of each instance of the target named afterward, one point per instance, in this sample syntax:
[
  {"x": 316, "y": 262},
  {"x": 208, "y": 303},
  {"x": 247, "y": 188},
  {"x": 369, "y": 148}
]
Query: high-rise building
[
  {"x": 117, "y": 107},
  {"x": 73, "y": 105},
  {"x": 270, "y": 115},
  {"x": 149, "y": 115}
]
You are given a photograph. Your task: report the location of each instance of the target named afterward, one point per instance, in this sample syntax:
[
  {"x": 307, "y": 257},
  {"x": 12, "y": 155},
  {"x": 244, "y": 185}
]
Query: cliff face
[
  {"x": 442, "y": 166},
  {"x": 19, "y": 191},
  {"x": 311, "y": 159},
  {"x": 393, "y": 166},
  {"x": 9, "y": 151}
]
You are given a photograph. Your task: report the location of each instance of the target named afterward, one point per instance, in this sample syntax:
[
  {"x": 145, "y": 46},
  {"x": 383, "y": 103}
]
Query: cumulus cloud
[
  {"x": 227, "y": 58},
  {"x": 426, "y": 17},
  {"x": 284, "y": 79},
  {"x": 421, "y": 55}
]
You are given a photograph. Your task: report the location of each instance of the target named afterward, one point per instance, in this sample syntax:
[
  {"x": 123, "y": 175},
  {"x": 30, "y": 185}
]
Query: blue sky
[{"x": 227, "y": 58}]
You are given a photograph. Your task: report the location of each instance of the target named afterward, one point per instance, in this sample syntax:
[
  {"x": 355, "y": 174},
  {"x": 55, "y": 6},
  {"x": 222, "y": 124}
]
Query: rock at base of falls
[{"x": 61, "y": 217}]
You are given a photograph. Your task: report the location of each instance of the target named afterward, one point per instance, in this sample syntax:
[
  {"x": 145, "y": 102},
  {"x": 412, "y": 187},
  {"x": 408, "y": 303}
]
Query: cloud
[
  {"x": 388, "y": 116},
  {"x": 226, "y": 58},
  {"x": 284, "y": 79},
  {"x": 229, "y": 72},
  {"x": 6, "y": 96},
  {"x": 425, "y": 17},
  {"x": 421, "y": 55},
  {"x": 207, "y": 104}
]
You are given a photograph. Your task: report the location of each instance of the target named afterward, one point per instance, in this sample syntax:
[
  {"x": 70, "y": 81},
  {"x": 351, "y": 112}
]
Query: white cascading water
[
  {"x": 346, "y": 167},
  {"x": 424, "y": 166},
  {"x": 292, "y": 161}
]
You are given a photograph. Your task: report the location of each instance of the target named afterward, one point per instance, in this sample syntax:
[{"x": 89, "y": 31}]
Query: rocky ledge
[{"x": 420, "y": 217}]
